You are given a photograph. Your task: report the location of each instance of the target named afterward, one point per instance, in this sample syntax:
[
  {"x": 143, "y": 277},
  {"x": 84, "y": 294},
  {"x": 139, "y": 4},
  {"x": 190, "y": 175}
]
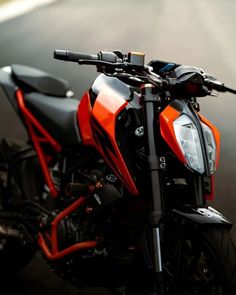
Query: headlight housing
[
  {"x": 192, "y": 138},
  {"x": 189, "y": 142}
]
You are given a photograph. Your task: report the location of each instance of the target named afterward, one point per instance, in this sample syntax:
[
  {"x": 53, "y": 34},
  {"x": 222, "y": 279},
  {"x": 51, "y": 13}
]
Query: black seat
[
  {"x": 57, "y": 115},
  {"x": 37, "y": 80}
]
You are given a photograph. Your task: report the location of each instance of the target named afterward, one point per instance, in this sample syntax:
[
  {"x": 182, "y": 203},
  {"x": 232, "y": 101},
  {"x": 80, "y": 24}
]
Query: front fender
[
  {"x": 200, "y": 216},
  {"x": 186, "y": 221}
]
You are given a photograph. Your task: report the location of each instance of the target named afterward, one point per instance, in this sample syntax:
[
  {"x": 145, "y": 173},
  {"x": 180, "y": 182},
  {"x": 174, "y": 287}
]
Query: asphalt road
[{"x": 200, "y": 33}]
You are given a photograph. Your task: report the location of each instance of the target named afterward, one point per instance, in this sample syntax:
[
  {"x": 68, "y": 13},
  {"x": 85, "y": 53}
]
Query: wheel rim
[{"x": 200, "y": 271}]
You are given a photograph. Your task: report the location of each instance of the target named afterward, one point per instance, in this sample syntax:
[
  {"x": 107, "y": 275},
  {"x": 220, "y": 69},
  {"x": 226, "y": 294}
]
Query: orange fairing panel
[
  {"x": 216, "y": 135},
  {"x": 107, "y": 106},
  {"x": 105, "y": 110},
  {"x": 167, "y": 118},
  {"x": 84, "y": 116}
]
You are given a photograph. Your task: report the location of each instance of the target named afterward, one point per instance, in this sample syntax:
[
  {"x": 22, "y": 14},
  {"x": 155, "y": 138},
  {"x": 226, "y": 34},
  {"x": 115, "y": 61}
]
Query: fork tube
[{"x": 150, "y": 100}]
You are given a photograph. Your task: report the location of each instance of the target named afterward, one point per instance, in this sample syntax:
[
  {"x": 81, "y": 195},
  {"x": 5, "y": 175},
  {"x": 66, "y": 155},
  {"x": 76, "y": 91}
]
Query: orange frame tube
[
  {"x": 54, "y": 254},
  {"x": 32, "y": 122}
]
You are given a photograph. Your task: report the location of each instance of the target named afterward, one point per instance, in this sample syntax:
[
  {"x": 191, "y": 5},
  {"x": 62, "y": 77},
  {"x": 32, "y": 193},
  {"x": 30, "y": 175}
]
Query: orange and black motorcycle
[{"x": 113, "y": 189}]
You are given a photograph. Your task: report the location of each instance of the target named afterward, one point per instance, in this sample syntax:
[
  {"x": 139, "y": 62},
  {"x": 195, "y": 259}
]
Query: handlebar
[
  {"x": 132, "y": 65},
  {"x": 218, "y": 86},
  {"x": 67, "y": 55},
  {"x": 230, "y": 90}
]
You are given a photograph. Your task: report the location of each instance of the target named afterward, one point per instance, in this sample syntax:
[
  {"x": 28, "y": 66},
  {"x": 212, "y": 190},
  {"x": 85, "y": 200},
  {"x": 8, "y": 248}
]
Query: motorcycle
[{"x": 114, "y": 188}]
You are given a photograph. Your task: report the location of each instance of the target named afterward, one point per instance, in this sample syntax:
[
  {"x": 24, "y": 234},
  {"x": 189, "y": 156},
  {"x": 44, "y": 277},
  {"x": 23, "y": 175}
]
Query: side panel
[
  {"x": 107, "y": 107},
  {"x": 84, "y": 120}
]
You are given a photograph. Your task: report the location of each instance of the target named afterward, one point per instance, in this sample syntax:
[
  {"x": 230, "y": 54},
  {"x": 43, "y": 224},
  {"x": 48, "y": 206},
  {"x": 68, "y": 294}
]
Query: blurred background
[{"x": 190, "y": 32}]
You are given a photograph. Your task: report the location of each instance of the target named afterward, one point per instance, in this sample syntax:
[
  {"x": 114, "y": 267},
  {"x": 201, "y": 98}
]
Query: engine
[{"x": 105, "y": 216}]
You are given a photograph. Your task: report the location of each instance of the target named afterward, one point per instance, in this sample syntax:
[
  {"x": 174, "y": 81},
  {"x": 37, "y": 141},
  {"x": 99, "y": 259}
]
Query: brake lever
[
  {"x": 99, "y": 63},
  {"x": 121, "y": 65}
]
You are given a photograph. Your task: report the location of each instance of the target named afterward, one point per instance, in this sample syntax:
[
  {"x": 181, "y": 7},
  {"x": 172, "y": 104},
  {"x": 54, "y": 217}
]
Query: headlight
[
  {"x": 210, "y": 147},
  {"x": 189, "y": 142}
]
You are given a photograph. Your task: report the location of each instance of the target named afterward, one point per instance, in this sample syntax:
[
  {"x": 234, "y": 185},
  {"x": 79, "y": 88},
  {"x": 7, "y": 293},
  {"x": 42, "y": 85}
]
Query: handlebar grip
[
  {"x": 67, "y": 55},
  {"x": 230, "y": 90}
]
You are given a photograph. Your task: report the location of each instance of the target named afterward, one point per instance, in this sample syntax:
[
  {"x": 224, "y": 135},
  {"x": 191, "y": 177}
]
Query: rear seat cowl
[{"x": 39, "y": 81}]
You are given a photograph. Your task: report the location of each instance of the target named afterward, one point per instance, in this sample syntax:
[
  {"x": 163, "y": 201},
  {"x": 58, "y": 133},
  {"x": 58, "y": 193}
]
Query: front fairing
[{"x": 170, "y": 114}]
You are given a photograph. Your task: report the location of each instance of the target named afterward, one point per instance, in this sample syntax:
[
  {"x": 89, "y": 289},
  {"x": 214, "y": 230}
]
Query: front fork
[{"x": 150, "y": 101}]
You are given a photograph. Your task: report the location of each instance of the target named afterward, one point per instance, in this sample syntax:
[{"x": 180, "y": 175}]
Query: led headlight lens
[
  {"x": 189, "y": 142},
  {"x": 210, "y": 147}
]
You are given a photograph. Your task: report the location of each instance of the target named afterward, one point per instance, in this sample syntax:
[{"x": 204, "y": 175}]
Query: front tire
[{"x": 203, "y": 262}]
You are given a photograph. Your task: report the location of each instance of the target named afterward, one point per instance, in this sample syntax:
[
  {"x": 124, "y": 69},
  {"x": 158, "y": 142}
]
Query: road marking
[{"x": 16, "y": 8}]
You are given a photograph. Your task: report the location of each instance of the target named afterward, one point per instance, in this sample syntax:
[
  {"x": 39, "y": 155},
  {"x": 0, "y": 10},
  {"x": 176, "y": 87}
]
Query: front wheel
[{"x": 203, "y": 262}]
